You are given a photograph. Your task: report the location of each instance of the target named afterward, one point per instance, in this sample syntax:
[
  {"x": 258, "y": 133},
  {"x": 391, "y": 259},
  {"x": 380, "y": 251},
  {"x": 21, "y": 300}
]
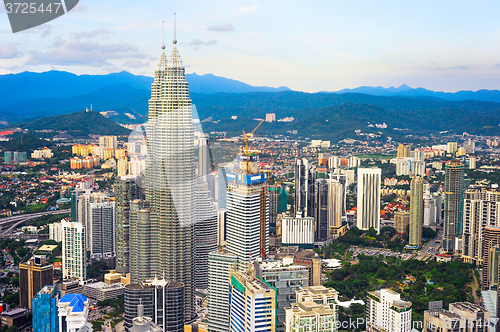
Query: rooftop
[
  {"x": 467, "y": 306},
  {"x": 76, "y": 301},
  {"x": 443, "y": 314}
]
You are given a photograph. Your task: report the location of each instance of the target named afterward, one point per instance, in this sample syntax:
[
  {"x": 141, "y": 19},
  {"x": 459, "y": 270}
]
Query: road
[
  {"x": 431, "y": 248},
  {"x": 19, "y": 219}
]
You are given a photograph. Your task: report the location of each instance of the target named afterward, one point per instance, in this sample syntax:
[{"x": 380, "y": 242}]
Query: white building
[
  {"x": 108, "y": 142},
  {"x": 451, "y": 147},
  {"x": 41, "y": 154},
  {"x": 74, "y": 251},
  {"x": 136, "y": 166},
  {"x": 56, "y": 232},
  {"x": 429, "y": 211},
  {"x": 368, "y": 200},
  {"x": 385, "y": 311},
  {"x": 297, "y": 230},
  {"x": 270, "y": 117},
  {"x": 73, "y": 313},
  {"x": 472, "y": 162}
]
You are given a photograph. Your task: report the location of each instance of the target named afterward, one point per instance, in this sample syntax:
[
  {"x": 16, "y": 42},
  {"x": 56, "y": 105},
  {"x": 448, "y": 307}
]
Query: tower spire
[
  {"x": 175, "y": 38},
  {"x": 163, "y": 46}
]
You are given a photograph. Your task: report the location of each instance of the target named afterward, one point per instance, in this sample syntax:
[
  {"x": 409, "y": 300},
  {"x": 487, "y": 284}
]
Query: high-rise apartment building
[
  {"x": 401, "y": 221},
  {"x": 481, "y": 209},
  {"x": 403, "y": 150},
  {"x": 81, "y": 211},
  {"x": 55, "y": 232},
  {"x": 33, "y": 276},
  {"x": 385, "y": 311},
  {"x": 45, "y": 311},
  {"x": 416, "y": 211},
  {"x": 462, "y": 316},
  {"x": 161, "y": 232},
  {"x": 368, "y": 200},
  {"x": 429, "y": 211},
  {"x": 342, "y": 179},
  {"x": 247, "y": 209},
  {"x": 102, "y": 232},
  {"x": 491, "y": 239},
  {"x": 219, "y": 265},
  {"x": 74, "y": 251},
  {"x": 108, "y": 142},
  {"x": 127, "y": 189},
  {"x": 451, "y": 147},
  {"x": 252, "y": 304},
  {"x": 453, "y": 203}
]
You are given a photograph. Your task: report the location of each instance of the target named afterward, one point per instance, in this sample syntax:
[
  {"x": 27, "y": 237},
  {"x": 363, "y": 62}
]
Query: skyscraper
[
  {"x": 491, "y": 239},
  {"x": 45, "y": 315},
  {"x": 453, "y": 203},
  {"x": 102, "y": 232},
  {"x": 74, "y": 252},
  {"x": 305, "y": 180},
  {"x": 416, "y": 211},
  {"x": 163, "y": 240},
  {"x": 335, "y": 207},
  {"x": 247, "y": 209},
  {"x": 33, "y": 275},
  {"x": 368, "y": 201},
  {"x": 320, "y": 212},
  {"x": 127, "y": 189}
]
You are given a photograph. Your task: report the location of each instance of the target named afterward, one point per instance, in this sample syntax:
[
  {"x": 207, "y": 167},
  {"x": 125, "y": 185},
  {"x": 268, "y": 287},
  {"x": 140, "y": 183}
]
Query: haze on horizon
[{"x": 325, "y": 46}]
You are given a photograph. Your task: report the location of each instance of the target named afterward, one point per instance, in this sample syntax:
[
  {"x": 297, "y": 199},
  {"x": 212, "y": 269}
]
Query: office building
[
  {"x": 33, "y": 276},
  {"x": 320, "y": 210},
  {"x": 252, "y": 304},
  {"x": 143, "y": 323},
  {"x": 336, "y": 206},
  {"x": 16, "y": 317},
  {"x": 205, "y": 232},
  {"x": 74, "y": 252},
  {"x": 481, "y": 209},
  {"x": 219, "y": 266},
  {"x": 247, "y": 209},
  {"x": 221, "y": 227},
  {"x": 305, "y": 180},
  {"x": 315, "y": 310},
  {"x": 342, "y": 179},
  {"x": 401, "y": 221},
  {"x": 453, "y": 203},
  {"x": 416, "y": 211},
  {"x": 493, "y": 260},
  {"x": 461, "y": 316},
  {"x": 312, "y": 261},
  {"x": 491, "y": 239},
  {"x": 45, "y": 311},
  {"x": 385, "y": 311},
  {"x": 73, "y": 313},
  {"x": 286, "y": 277},
  {"x": 298, "y": 231},
  {"x": 102, "y": 232},
  {"x": 81, "y": 211},
  {"x": 127, "y": 189},
  {"x": 277, "y": 204},
  {"x": 368, "y": 200},
  {"x": 101, "y": 291},
  {"x": 161, "y": 234},
  {"x": 162, "y": 301},
  {"x": 203, "y": 156}
]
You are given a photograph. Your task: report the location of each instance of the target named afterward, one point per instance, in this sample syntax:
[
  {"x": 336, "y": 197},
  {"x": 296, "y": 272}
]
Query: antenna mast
[{"x": 175, "y": 38}]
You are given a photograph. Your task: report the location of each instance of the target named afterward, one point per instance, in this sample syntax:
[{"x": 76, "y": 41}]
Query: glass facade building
[{"x": 45, "y": 311}]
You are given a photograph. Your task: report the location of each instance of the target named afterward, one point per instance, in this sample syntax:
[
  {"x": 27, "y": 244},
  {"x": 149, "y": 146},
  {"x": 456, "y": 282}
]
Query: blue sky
[{"x": 317, "y": 46}]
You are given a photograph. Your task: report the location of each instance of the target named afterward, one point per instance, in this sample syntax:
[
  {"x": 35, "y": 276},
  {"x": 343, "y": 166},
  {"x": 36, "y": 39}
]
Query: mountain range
[{"x": 28, "y": 96}]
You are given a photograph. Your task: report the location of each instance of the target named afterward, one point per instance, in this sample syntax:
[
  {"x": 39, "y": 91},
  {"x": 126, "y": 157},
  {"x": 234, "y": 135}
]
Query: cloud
[
  {"x": 225, "y": 27},
  {"x": 245, "y": 9},
  {"x": 460, "y": 67},
  {"x": 8, "y": 51},
  {"x": 90, "y": 34},
  {"x": 197, "y": 42},
  {"x": 135, "y": 64},
  {"x": 83, "y": 53}
]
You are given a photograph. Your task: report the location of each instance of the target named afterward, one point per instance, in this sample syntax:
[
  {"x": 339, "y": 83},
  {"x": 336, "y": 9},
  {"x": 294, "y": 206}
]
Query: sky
[{"x": 314, "y": 46}]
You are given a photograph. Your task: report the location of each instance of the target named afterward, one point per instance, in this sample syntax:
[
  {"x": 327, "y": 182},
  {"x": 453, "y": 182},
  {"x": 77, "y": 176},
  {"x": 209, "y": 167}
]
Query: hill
[{"x": 81, "y": 123}]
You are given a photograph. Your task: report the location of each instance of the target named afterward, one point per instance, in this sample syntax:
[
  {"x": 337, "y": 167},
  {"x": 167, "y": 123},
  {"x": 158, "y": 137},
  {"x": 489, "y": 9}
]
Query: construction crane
[{"x": 246, "y": 136}]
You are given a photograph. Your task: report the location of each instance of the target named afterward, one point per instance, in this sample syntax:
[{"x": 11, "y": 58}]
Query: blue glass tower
[{"x": 45, "y": 311}]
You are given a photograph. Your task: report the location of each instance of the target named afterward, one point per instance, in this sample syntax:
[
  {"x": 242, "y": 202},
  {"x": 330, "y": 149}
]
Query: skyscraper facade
[
  {"x": 368, "y": 200},
  {"x": 164, "y": 234},
  {"x": 74, "y": 252},
  {"x": 45, "y": 315},
  {"x": 320, "y": 213},
  {"x": 335, "y": 206},
  {"x": 33, "y": 276},
  {"x": 127, "y": 189},
  {"x": 416, "y": 211},
  {"x": 453, "y": 203},
  {"x": 102, "y": 232},
  {"x": 491, "y": 239},
  {"x": 305, "y": 180}
]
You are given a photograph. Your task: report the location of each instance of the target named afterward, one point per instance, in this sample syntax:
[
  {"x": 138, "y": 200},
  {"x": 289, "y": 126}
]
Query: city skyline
[{"x": 280, "y": 44}]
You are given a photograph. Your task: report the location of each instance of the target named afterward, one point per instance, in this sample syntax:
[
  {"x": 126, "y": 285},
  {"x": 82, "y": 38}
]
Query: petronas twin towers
[{"x": 161, "y": 226}]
